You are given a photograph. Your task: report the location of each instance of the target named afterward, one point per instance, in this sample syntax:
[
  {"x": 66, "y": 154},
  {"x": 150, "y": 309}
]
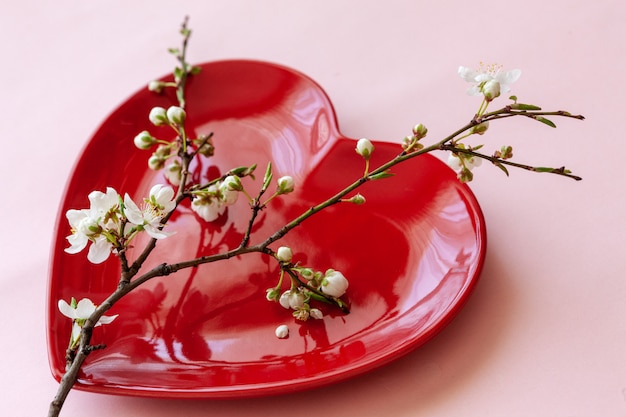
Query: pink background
[{"x": 544, "y": 333}]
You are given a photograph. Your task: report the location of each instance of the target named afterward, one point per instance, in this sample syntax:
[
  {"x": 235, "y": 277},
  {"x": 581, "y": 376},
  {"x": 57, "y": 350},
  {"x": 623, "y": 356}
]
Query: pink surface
[{"x": 544, "y": 333}]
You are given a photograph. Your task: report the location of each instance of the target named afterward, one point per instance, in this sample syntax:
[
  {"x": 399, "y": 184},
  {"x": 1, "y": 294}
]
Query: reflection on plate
[{"x": 412, "y": 253}]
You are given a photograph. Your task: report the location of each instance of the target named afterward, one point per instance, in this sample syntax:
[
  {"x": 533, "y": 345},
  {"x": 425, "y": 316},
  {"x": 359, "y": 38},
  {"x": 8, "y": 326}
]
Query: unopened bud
[
  {"x": 357, "y": 199},
  {"x": 480, "y": 129},
  {"x": 284, "y": 254},
  {"x": 419, "y": 131},
  {"x": 156, "y": 162},
  {"x": 176, "y": 115},
  {"x": 491, "y": 90},
  {"x": 156, "y": 86},
  {"x": 285, "y": 185},
  {"x": 364, "y": 147},
  {"x": 144, "y": 140},
  {"x": 158, "y": 116}
]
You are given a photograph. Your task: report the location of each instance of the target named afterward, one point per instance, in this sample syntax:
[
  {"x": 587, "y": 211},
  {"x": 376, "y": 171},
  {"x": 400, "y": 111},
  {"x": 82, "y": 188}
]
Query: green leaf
[
  {"x": 381, "y": 175},
  {"x": 545, "y": 121},
  {"x": 173, "y": 51},
  {"x": 502, "y": 167},
  {"x": 514, "y": 98},
  {"x": 521, "y": 106},
  {"x": 268, "y": 176}
]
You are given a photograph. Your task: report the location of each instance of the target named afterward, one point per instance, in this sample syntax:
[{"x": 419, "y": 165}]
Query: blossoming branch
[{"x": 112, "y": 222}]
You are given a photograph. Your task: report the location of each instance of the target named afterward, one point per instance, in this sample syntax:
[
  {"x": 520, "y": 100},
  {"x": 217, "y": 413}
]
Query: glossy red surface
[{"x": 412, "y": 253}]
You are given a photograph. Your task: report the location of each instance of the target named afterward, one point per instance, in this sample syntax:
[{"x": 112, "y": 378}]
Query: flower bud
[
  {"x": 480, "y": 129},
  {"x": 285, "y": 185},
  {"x": 284, "y": 254},
  {"x": 232, "y": 183},
  {"x": 176, "y": 115},
  {"x": 158, "y": 116},
  {"x": 173, "y": 172},
  {"x": 156, "y": 162},
  {"x": 334, "y": 284},
  {"x": 491, "y": 89},
  {"x": 282, "y": 331},
  {"x": 272, "y": 294},
  {"x": 357, "y": 199},
  {"x": 419, "y": 131},
  {"x": 156, "y": 86},
  {"x": 307, "y": 273},
  {"x": 364, "y": 147},
  {"x": 144, "y": 140}
]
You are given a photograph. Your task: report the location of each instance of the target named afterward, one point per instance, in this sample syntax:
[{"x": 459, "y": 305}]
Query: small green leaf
[
  {"x": 544, "y": 169},
  {"x": 545, "y": 121},
  {"x": 514, "y": 98},
  {"x": 268, "y": 176},
  {"x": 502, "y": 167},
  {"x": 381, "y": 175},
  {"x": 521, "y": 106},
  {"x": 173, "y": 51},
  {"x": 178, "y": 73}
]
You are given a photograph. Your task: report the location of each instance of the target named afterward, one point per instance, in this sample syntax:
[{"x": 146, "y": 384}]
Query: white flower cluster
[
  {"x": 110, "y": 222},
  {"x": 79, "y": 312},
  {"x": 211, "y": 202}
]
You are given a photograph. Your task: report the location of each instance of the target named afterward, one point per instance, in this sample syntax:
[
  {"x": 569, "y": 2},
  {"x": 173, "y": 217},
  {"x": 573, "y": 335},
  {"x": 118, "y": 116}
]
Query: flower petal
[
  {"x": 78, "y": 241},
  {"x": 509, "y": 77},
  {"x": 468, "y": 74},
  {"x": 99, "y": 251},
  {"x": 164, "y": 196},
  {"x": 106, "y": 319},
  {"x": 85, "y": 308},
  {"x": 155, "y": 233},
  {"x": 132, "y": 212},
  {"x": 66, "y": 309},
  {"x": 102, "y": 202}
]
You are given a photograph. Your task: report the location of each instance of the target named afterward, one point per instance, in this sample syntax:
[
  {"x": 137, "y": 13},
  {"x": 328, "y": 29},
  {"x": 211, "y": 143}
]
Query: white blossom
[
  {"x": 211, "y": 203},
  {"x": 160, "y": 202},
  {"x": 489, "y": 80},
  {"x": 81, "y": 312},
  {"x": 470, "y": 162},
  {"x": 334, "y": 283},
  {"x": 89, "y": 224}
]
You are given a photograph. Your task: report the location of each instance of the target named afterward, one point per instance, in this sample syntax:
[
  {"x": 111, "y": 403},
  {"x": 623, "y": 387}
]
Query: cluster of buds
[
  {"x": 464, "y": 163},
  {"x": 412, "y": 143},
  {"x": 166, "y": 155},
  {"x": 306, "y": 285}
]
